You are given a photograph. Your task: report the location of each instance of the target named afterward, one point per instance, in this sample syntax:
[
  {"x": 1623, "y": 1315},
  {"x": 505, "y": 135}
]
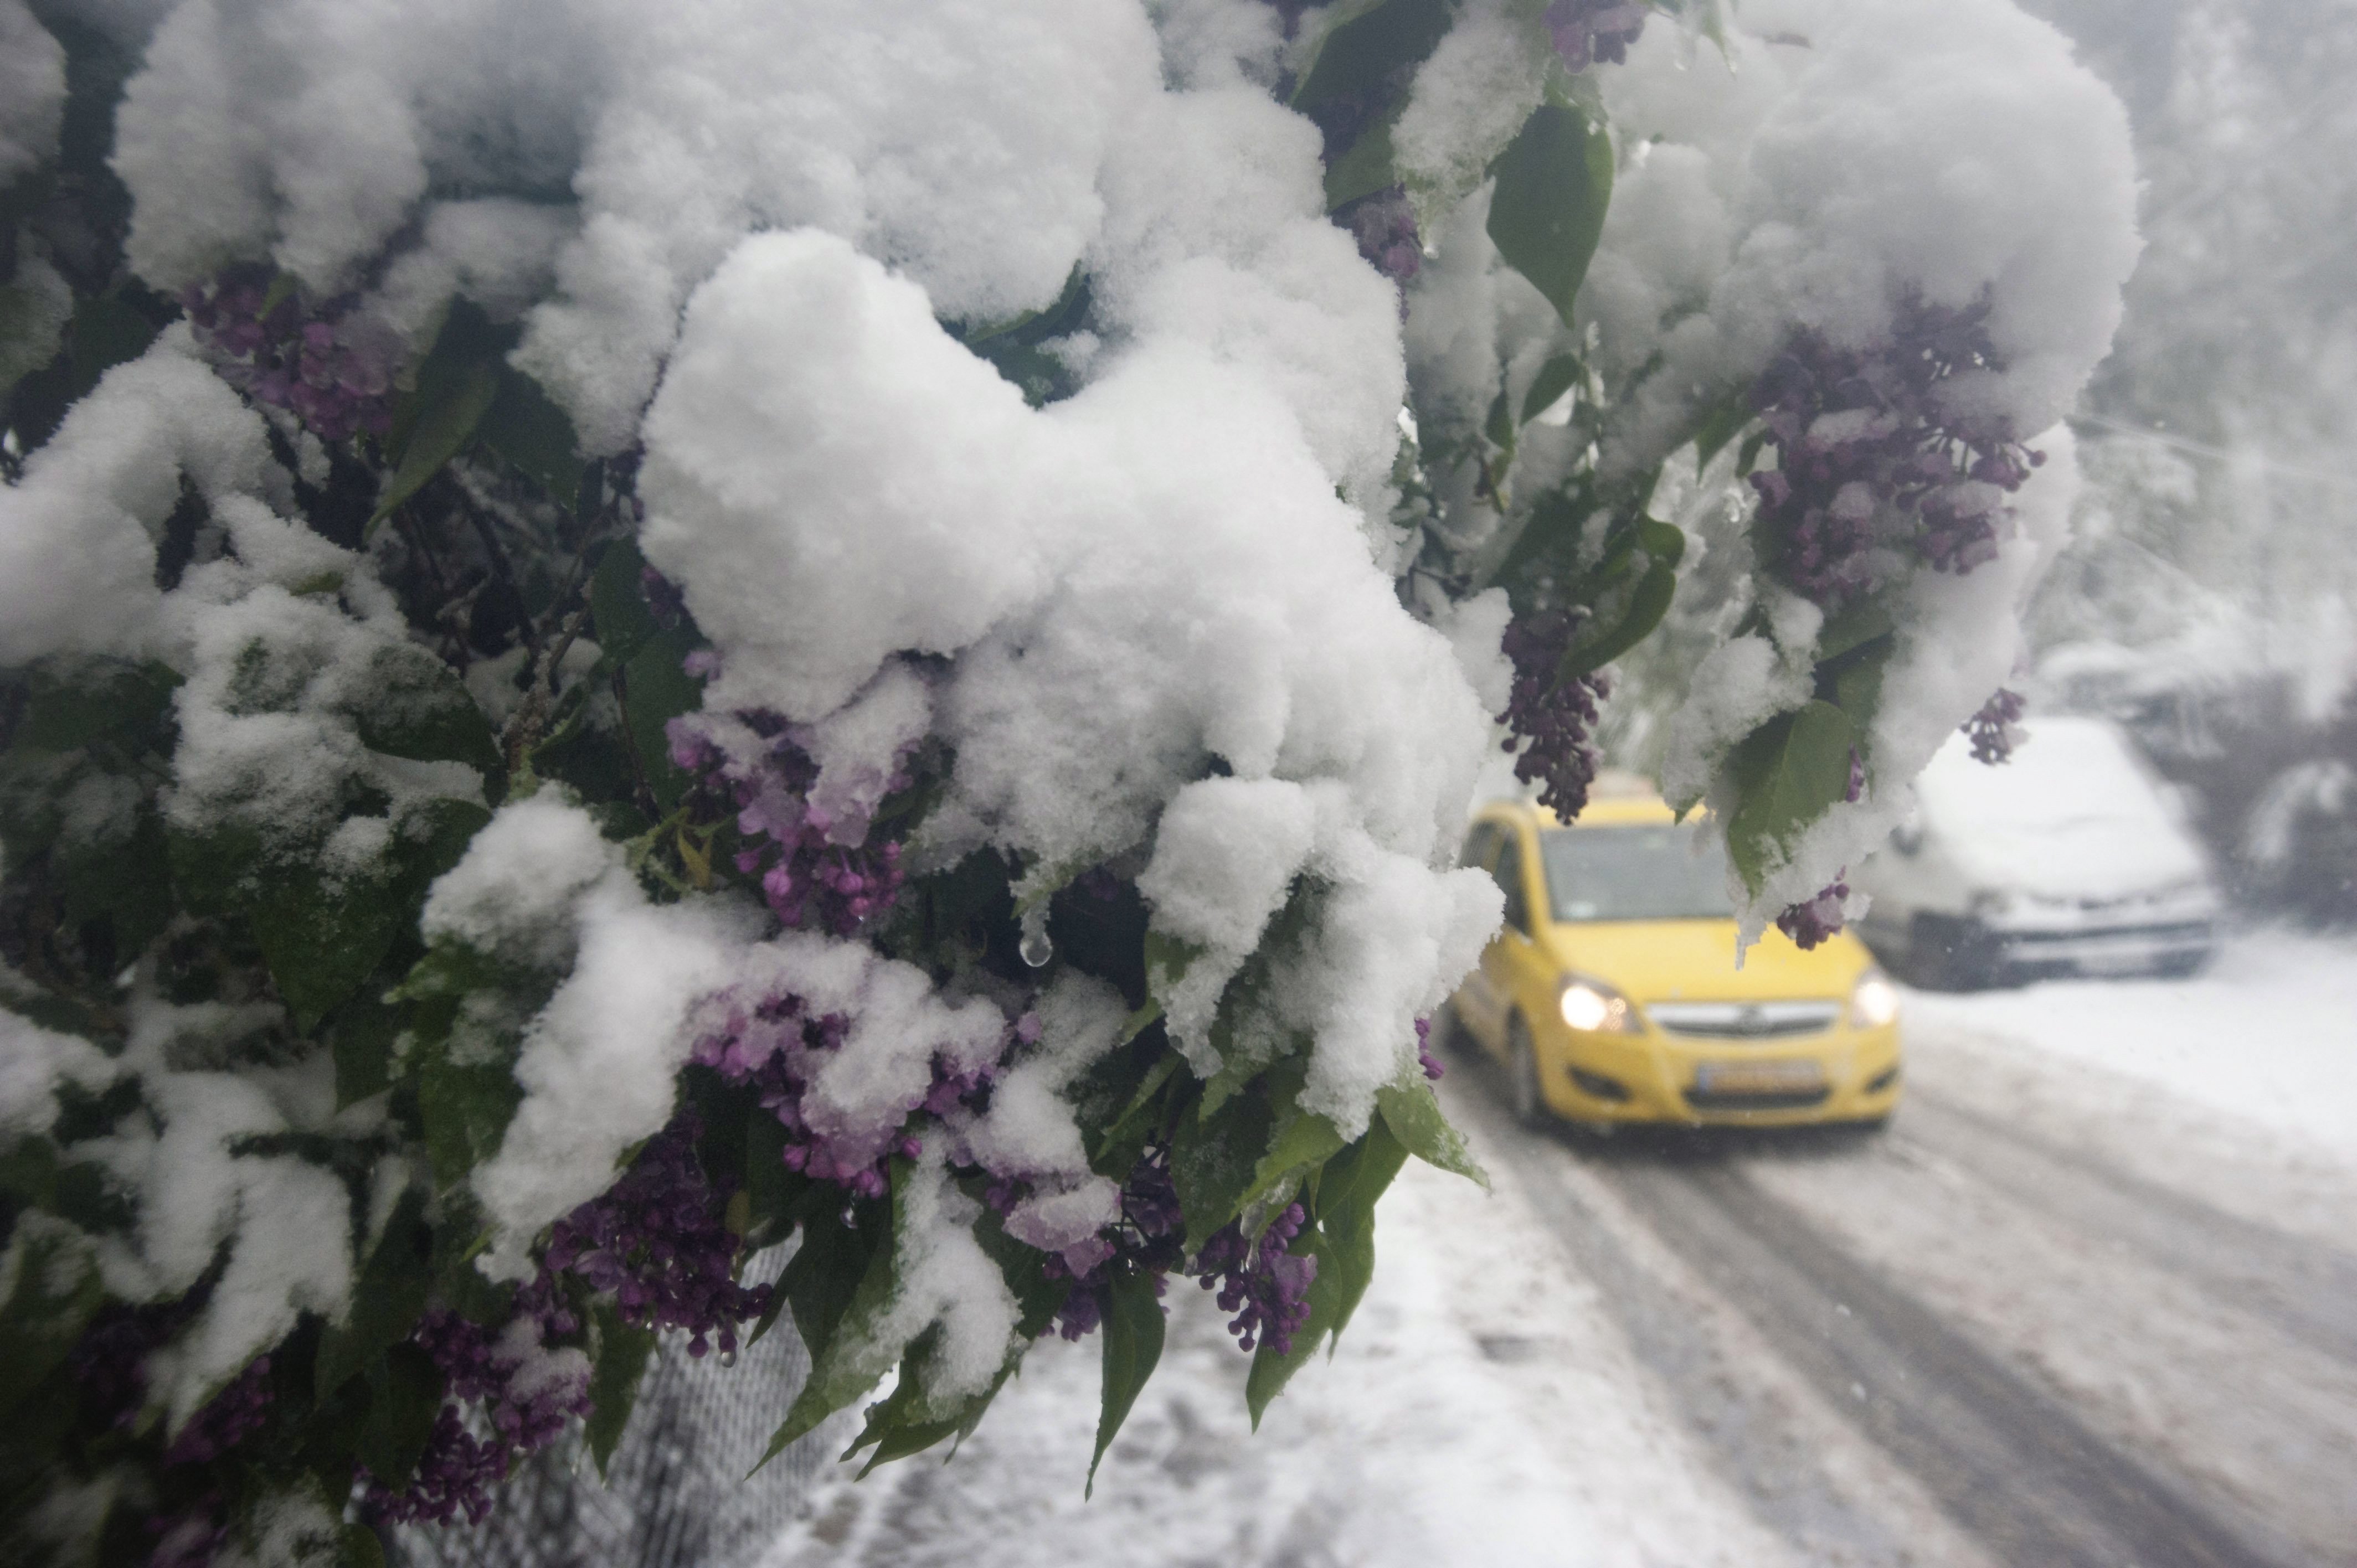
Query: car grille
[{"x": 1744, "y": 1020}]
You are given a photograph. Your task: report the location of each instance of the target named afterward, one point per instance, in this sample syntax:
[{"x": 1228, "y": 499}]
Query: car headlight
[
  {"x": 1874, "y": 1002},
  {"x": 1593, "y": 1007}
]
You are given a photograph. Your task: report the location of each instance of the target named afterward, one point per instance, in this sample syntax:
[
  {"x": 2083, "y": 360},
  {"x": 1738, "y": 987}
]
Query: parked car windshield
[{"x": 1654, "y": 871}]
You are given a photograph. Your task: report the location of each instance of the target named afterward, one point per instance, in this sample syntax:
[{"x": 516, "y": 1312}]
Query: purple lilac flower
[
  {"x": 227, "y": 1419},
  {"x": 328, "y": 365},
  {"x": 1818, "y": 919},
  {"x": 1147, "y": 1237},
  {"x": 774, "y": 1042},
  {"x": 1264, "y": 1284},
  {"x": 1384, "y": 226},
  {"x": 1992, "y": 729},
  {"x": 454, "y": 1474},
  {"x": 1872, "y": 471},
  {"x": 657, "y": 1241},
  {"x": 1594, "y": 32},
  {"x": 813, "y": 869},
  {"x": 1857, "y": 790},
  {"x": 521, "y": 1392},
  {"x": 1425, "y": 1058},
  {"x": 1553, "y": 719}
]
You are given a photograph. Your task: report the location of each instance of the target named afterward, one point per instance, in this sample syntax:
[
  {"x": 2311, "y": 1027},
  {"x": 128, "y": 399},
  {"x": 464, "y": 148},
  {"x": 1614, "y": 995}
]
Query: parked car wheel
[{"x": 1523, "y": 1074}]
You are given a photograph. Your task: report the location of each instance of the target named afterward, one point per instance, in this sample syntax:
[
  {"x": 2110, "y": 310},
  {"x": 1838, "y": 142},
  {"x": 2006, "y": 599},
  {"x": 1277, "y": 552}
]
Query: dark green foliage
[{"x": 1554, "y": 181}]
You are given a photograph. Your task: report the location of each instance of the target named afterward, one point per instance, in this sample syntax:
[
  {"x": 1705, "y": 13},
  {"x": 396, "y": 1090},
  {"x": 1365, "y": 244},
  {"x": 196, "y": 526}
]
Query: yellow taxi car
[{"x": 1611, "y": 994}]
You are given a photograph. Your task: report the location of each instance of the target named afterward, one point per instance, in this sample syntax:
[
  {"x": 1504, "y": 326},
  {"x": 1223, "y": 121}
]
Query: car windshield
[{"x": 1657, "y": 872}]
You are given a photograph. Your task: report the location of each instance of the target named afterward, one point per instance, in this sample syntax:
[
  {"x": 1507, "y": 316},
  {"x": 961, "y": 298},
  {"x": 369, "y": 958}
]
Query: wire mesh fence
[{"x": 676, "y": 1495}]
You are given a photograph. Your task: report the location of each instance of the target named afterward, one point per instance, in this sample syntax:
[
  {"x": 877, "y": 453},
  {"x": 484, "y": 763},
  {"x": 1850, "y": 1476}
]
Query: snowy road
[{"x": 2061, "y": 1313}]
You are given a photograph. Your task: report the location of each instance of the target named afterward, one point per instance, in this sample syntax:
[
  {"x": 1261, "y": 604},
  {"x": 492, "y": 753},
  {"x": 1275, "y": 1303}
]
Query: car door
[{"x": 1509, "y": 962}]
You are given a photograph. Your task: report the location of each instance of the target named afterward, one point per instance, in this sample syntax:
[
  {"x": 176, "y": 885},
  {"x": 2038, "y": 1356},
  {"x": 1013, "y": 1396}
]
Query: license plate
[{"x": 1758, "y": 1077}]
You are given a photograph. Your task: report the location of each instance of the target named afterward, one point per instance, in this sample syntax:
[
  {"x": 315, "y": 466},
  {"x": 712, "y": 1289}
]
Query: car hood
[
  {"x": 2095, "y": 860},
  {"x": 1665, "y": 961}
]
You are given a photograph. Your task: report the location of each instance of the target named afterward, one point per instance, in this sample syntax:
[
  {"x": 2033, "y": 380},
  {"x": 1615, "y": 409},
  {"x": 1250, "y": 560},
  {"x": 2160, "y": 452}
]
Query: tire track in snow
[
  {"x": 2305, "y": 1288},
  {"x": 2009, "y": 1462},
  {"x": 1768, "y": 1451}
]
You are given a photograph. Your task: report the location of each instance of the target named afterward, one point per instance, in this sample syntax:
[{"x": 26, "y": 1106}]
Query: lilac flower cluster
[
  {"x": 1992, "y": 731},
  {"x": 328, "y": 365},
  {"x": 1556, "y": 719},
  {"x": 231, "y": 1416},
  {"x": 657, "y": 1241},
  {"x": 1384, "y": 226},
  {"x": 1594, "y": 32},
  {"x": 775, "y": 1043},
  {"x": 1146, "y": 1238},
  {"x": 814, "y": 868},
  {"x": 1818, "y": 919},
  {"x": 1264, "y": 1284},
  {"x": 1872, "y": 471},
  {"x": 525, "y": 1395},
  {"x": 1425, "y": 1058}
]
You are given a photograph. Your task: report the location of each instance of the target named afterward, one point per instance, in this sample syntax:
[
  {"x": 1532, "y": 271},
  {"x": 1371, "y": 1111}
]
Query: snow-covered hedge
[{"x": 631, "y": 632}]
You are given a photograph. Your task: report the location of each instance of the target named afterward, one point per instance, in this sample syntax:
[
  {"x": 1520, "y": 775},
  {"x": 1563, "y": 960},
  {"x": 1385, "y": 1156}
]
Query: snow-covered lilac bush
[{"x": 629, "y": 635}]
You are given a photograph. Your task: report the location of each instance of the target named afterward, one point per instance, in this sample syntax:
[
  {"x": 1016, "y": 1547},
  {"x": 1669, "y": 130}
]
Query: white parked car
[{"x": 2071, "y": 858}]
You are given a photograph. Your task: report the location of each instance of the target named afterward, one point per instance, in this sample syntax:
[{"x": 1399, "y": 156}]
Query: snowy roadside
[
  {"x": 2259, "y": 1052},
  {"x": 1482, "y": 1408}
]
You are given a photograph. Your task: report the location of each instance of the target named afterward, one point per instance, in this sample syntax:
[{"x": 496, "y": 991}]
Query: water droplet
[
  {"x": 728, "y": 1357},
  {"x": 1037, "y": 950}
]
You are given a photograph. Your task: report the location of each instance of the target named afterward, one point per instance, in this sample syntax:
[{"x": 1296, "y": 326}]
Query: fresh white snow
[{"x": 2265, "y": 1039}]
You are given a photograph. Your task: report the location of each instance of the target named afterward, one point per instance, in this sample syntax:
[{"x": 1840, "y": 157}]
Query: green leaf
[
  {"x": 1306, "y": 1141},
  {"x": 361, "y": 1036},
  {"x": 358, "y": 1547},
  {"x": 1363, "y": 50},
  {"x": 656, "y": 689},
  {"x": 104, "y": 697},
  {"x": 1787, "y": 774},
  {"x": 1132, "y": 1344},
  {"x": 1270, "y": 1371},
  {"x": 388, "y": 1298},
  {"x": 445, "y": 426},
  {"x": 1556, "y": 377},
  {"x": 524, "y": 426},
  {"x": 1861, "y": 622},
  {"x": 414, "y": 705},
  {"x": 1648, "y": 602},
  {"x": 1554, "y": 181},
  {"x": 623, "y": 1350},
  {"x": 847, "y": 1362},
  {"x": 1213, "y": 1161},
  {"x": 106, "y": 333},
  {"x": 321, "y": 939},
  {"x": 618, "y": 605},
  {"x": 822, "y": 1276},
  {"x": 466, "y": 1110},
  {"x": 1348, "y": 1190},
  {"x": 1721, "y": 423},
  {"x": 1664, "y": 542},
  {"x": 404, "y": 1397},
  {"x": 1853, "y": 683},
  {"x": 1413, "y": 1116},
  {"x": 57, "y": 1289},
  {"x": 1366, "y": 168}
]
